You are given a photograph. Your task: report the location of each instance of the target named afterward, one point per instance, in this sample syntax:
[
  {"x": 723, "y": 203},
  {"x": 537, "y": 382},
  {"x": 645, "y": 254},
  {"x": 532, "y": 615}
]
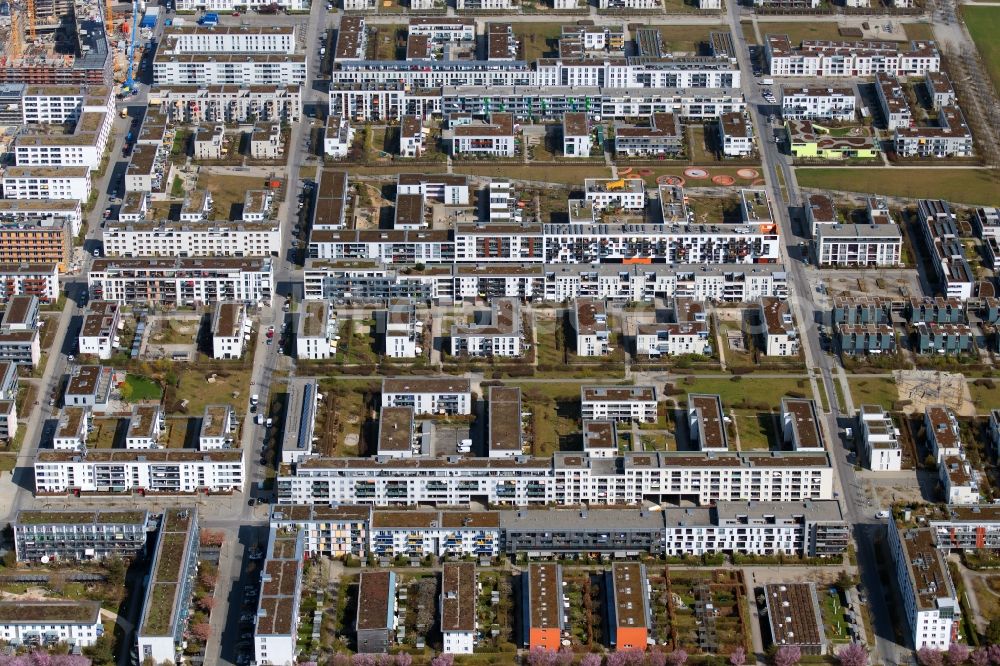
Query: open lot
[
  {"x": 797, "y": 31},
  {"x": 984, "y": 26},
  {"x": 685, "y": 38},
  {"x": 227, "y": 191},
  {"x": 873, "y": 391},
  {"x": 757, "y": 430},
  {"x": 342, "y": 415},
  {"x": 538, "y": 40},
  {"x": 201, "y": 386},
  {"x": 746, "y": 390},
  {"x": 985, "y": 395},
  {"x": 971, "y": 186}
]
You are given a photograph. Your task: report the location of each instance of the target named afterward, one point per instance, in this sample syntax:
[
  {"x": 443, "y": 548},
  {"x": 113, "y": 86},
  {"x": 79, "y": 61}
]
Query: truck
[
  {"x": 209, "y": 19},
  {"x": 254, "y": 399},
  {"x": 150, "y": 18}
]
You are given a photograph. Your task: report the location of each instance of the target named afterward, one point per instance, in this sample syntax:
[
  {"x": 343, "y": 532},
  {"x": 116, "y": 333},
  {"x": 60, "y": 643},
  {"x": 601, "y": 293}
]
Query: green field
[
  {"x": 873, "y": 390},
  {"x": 970, "y": 186},
  {"x": 984, "y": 26},
  {"x": 799, "y": 30},
  {"x": 756, "y": 390},
  {"x": 136, "y": 389},
  {"x": 984, "y": 397}
]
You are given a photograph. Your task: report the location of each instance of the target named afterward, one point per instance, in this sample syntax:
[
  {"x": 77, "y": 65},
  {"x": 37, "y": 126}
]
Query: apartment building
[
  {"x": 800, "y": 425},
  {"x": 662, "y": 137},
  {"x": 47, "y": 623},
  {"x": 412, "y": 140},
  {"x": 218, "y": 428},
  {"x": 795, "y": 618},
  {"x": 99, "y": 331},
  {"x": 816, "y": 103},
  {"x": 28, "y": 212},
  {"x": 276, "y": 633},
  {"x": 72, "y": 429},
  {"x": 317, "y": 331},
  {"x": 618, "y": 403},
  {"x": 80, "y": 535},
  {"x": 832, "y": 59},
  {"x": 494, "y": 138},
  {"x": 686, "y": 334},
  {"x": 959, "y": 481},
  {"x": 234, "y": 103},
  {"x": 84, "y": 147},
  {"x": 338, "y": 137},
  {"x": 230, "y": 329},
  {"x": 396, "y": 435},
  {"x": 951, "y": 137},
  {"x": 146, "y": 169},
  {"x": 193, "y": 238},
  {"x": 600, "y": 438},
  {"x": 300, "y": 420},
  {"x": 629, "y": 617},
  {"x": 166, "y": 605},
  {"x": 968, "y": 528},
  {"x": 565, "y": 479},
  {"x": 8, "y": 400},
  {"x": 542, "y": 606},
  {"x": 896, "y": 111},
  {"x": 230, "y": 5},
  {"x": 618, "y": 194},
  {"x": 457, "y": 607},
  {"x": 145, "y": 425},
  {"x": 169, "y": 471},
  {"x": 943, "y": 435},
  {"x": 880, "y": 446},
  {"x": 736, "y": 134},
  {"x": 778, "y": 334},
  {"x": 577, "y": 141},
  {"x": 89, "y": 386},
  {"x": 182, "y": 281},
  {"x": 266, "y": 142},
  {"x": 399, "y": 329},
  {"x": 589, "y": 320},
  {"x": 505, "y": 437},
  {"x": 335, "y": 531},
  {"x": 172, "y": 68},
  {"x": 944, "y": 339},
  {"x": 499, "y": 332},
  {"x": 20, "y": 346},
  {"x": 854, "y": 339},
  {"x": 858, "y": 244},
  {"x": 706, "y": 422},
  {"x": 209, "y": 142},
  {"x": 939, "y": 231},
  {"x": 375, "y": 616},
  {"x": 929, "y": 600},
  {"x": 428, "y": 395},
  {"x": 939, "y": 90},
  {"x": 414, "y": 535},
  {"x": 46, "y": 182}
]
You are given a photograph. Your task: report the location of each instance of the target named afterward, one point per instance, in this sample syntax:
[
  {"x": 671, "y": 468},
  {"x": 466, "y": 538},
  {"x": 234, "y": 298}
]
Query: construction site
[{"x": 49, "y": 42}]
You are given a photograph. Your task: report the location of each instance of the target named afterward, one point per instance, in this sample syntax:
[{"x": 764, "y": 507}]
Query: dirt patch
[{"x": 923, "y": 388}]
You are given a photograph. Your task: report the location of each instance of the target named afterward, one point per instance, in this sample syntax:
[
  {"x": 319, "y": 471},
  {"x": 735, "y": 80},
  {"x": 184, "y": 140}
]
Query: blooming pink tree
[
  {"x": 980, "y": 657},
  {"x": 403, "y": 659},
  {"x": 738, "y": 656},
  {"x": 994, "y": 652},
  {"x": 787, "y": 655},
  {"x": 928, "y": 656},
  {"x": 678, "y": 657},
  {"x": 363, "y": 659},
  {"x": 591, "y": 659},
  {"x": 539, "y": 656},
  {"x": 443, "y": 659},
  {"x": 656, "y": 658},
  {"x": 957, "y": 654},
  {"x": 853, "y": 654}
]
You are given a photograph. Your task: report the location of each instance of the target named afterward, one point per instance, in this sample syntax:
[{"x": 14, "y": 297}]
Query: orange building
[
  {"x": 36, "y": 243},
  {"x": 541, "y": 602},
  {"x": 628, "y": 614}
]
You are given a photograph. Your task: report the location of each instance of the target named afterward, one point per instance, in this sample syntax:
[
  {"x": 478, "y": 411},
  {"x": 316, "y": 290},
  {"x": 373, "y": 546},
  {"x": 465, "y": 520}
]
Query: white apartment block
[
  {"x": 438, "y": 533},
  {"x": 44, "y": 104},
  {"x": 41, "y": 280},
  {"x": 589, "y": 319},
  {"x": 427, "y": 395},
  {"x": 99, "y": 331},
  {"x": 630, "y": 4},
  {"x": 959, "y": 481},
  {"x": 145, "y": 425},
  {"x": 673, "y": 339},
  {"x": 494, "y": 138},
  {"x": 44, "y": 623},
  {"x": 84, "y": 147},
  {"x": 412, "y": 140},
  {"x": 182, "y": 281},
  {"x": 162, "y": 238},
  {"x": 710, "y": 4},
  {"x": 566, "y": 479},
  {"x": 484, "y": 5},
  {"x": 338, "y": 137},
  {"x": 230, "y": 330},
  {"x": 168, "y": 471},
  {"x": 317, "y": 331},
  {"x": 41, "y": 211},
  {"x": 951, "y": 137},
  {"x": 577, "y": 141},
  {"x": 880, "y": 445},
  {"x": 736, "y": 134},
  {"x": 623, "y": 193},
  {"x": 230, "y": 39},
  {"x": 939, "y": 90},
  {"x": 218, "y": 428},
  {"x": 805, "y": 103},
  {"x": 500, "y": 333},
  {"x": 334, "y": 531},
  {"x": 828, "y": 59},
  {"x": 929, "y": 598},
  {"x": 276, "y": 633},
  {"x": 229, "y": 103},
  {"x": 943, "y": 435},
  {"x": 207, "y": 143},
  {"x": 360, "y": 5},
  {"x": 266, "y": 142},
  {"x": 400, "y": 329},
  {"x": 451, "y": 190},
  {"x": 896, "y": 111},
  {"x": 70, "y": 182},
  {"x": 459, "y": 622},
  {"x": 777, "y": 328},
  {"x": 202, "y": 69},
  {"x": 72, "y": 429},
  {"x": 444, "y": 29},
  {"x": 618, "y": 403},
  {"x": 230, "y": 5}
]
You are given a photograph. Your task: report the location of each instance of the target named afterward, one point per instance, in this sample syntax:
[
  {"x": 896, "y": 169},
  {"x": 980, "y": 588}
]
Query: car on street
[
  {"x": 882, "y": 514},
  {"x": 250, "y": 502}
]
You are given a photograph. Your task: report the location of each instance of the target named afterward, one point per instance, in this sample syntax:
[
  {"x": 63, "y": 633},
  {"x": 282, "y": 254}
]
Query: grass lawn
[
  {"x": 756, "y": 429},
  {"x": 984, "y": 398},
  {"x": 227, "y": 191},
  {"x": 919, "y": 30},
  {"x": 136, "y": 388},
  {"x": 873, "y": 390},
  {"x": 834, "y": 620},
  {"x": 567, "y": 175},
  {"x": 683, "y": 6},
  {"x": 748, "y": 33},
  {"x": 970, "y": 186},
  {"x": 194, "y": 386},
  {"x": 400, "y": 167},
  {"x": 538, "y": 40},
  {"x": 658, "y": 441},
  {"x": 798, "y": 31},
  {"x": 984, "y": 26},
  {"x": 753, "y": 389},
  {"x": 103, "y": 436},
  {"x": 684, "y": 37}
]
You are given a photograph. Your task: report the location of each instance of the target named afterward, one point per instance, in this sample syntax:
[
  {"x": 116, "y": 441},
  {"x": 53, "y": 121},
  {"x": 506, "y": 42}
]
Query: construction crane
[
  {"x": 31, "y": 20},
  {"x": 129, "y": 85},
  {"x": 109, "y": 19}
]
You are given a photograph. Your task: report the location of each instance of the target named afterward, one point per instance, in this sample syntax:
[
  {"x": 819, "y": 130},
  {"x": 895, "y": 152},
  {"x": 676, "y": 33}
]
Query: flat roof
[
  {"x": 142, "y": 422},
  {"x": 215, "y": 422},
  {"x": 944, "y": 426},
  {"x": 591, "y": 316},
  {"x": 545, "y": 596},
  {"x": 805, "y": 424},
  {"x": 505, "y": 418},
  {"x": 395, "y": 429},
  {"x": 426, "y": 385},
  {"x": 374, "y": 600},
  {"x": 81, "y": 517},
  {"x": 314, "y": 319},
  {"x": 227, "y": 320},
  {"x": 617, "y": 393},
  {"x": 458, "y": 597},
  {"x": 175, "y": 540},
  {"x": 793, "y": 613},
  {"x": 50, "y": 612},
  {"x": 929, "y": 577},
  {"x": 631, "y": 603},
  {"x": 18, "y": 309},
  {"x": 711, "y": 429},
  {"x": 280, "y": 580},
  {"x": 599, "y": 435}
]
